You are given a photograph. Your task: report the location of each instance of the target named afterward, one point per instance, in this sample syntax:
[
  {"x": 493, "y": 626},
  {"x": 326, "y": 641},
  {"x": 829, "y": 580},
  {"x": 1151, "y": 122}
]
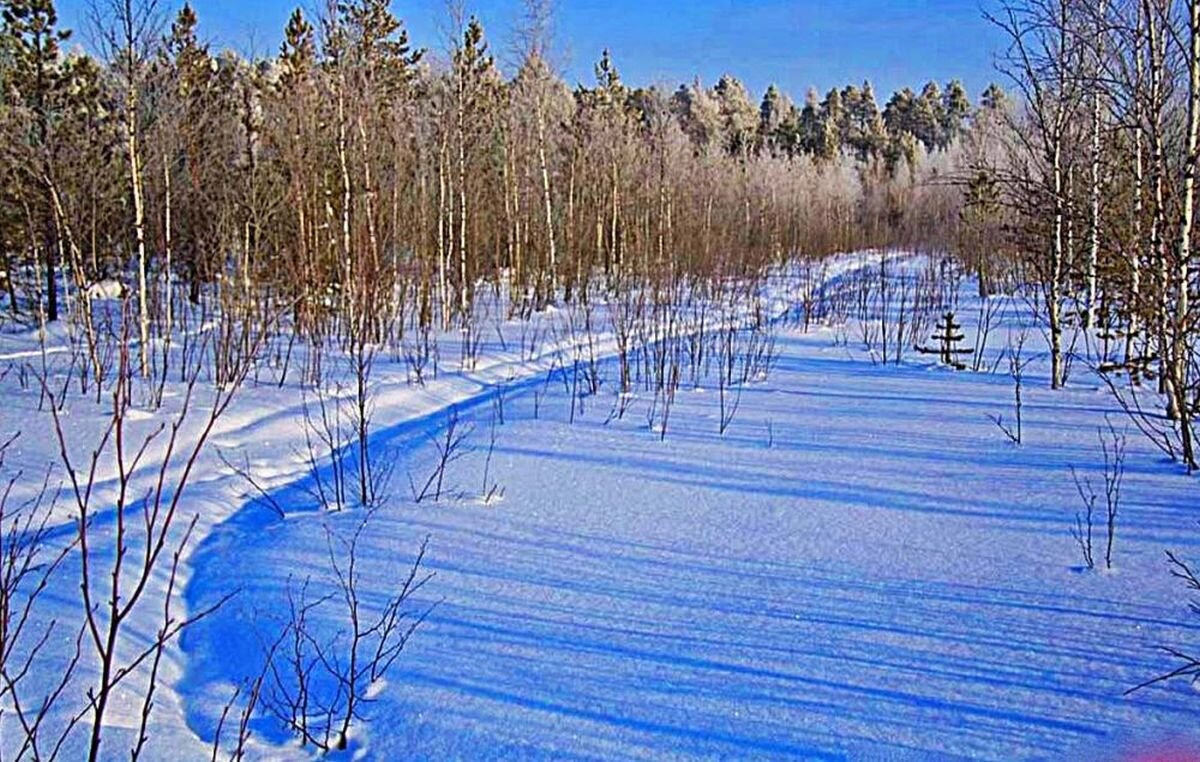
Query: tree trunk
[
  {"x": 1094, "y": 233},
  {"x": 139, "y": 219},
  {"x": 1180, "y": 350},
  {"x": 547, "y": 197},
  {"x": 1053, "y": 296}
]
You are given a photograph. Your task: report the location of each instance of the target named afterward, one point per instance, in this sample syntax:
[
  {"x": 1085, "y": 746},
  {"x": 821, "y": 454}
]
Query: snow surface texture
[{"x": 861, "y": 566}]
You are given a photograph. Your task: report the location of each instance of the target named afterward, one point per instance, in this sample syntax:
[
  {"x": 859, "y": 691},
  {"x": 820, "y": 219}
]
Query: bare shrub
[
  {"x": 319, "y": 685},
  {"x": 141, "y": 537},
  {"x": 1112, "y": 446},
  {"x": 1189, "y": 663},
  {"x": 1016, "y": 371},
  {"x": 491, "y": 491},
  {"x": 27, "y": 565},
  {"x": 451, "y": 446}
]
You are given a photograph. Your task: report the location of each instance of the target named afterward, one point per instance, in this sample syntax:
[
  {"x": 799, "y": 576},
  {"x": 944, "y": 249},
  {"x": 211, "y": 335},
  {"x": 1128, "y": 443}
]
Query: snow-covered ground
[{"x": 862, "y": 565}]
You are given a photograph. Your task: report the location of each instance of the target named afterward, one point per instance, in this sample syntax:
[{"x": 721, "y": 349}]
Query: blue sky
[{"x": 796, "y": 44}]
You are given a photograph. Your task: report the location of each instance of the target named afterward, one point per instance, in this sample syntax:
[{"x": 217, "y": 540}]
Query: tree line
[
  {"x": 367, "y": 188},
  {"x": 366, "y": 185}
]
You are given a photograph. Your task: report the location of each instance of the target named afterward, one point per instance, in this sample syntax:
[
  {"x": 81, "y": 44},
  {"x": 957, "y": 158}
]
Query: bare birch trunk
[
  {"x": 139, "y": 210},
  {"x": 1053, "y": 296},
  {"x": 1094, "y": 233},
  {"x": 1180, "y": 354},
  {"x": 547, "y": 196}
]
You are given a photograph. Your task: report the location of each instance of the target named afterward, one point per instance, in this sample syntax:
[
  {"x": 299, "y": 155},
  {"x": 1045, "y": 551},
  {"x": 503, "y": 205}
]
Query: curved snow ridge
[
  {"x": 421, "y": 407},
  {"x": 271, "y": 438}
]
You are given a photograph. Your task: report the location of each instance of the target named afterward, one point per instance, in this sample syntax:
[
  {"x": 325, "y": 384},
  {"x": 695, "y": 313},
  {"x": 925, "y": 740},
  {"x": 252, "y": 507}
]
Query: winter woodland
[{"x": 385, "y": 398}]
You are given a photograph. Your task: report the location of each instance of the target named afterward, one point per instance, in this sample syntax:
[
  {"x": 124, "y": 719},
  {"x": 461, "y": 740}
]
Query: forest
[{"x": 262, "y": 318}]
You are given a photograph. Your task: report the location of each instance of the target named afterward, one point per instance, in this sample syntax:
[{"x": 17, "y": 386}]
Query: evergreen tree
[
  {"x": 195, "y": 144},
  {"x": 478, "y": 89},
  {"x": 298, "y": 52},
  {"x": 928, "y": 116},
  {"x": 377, "y": 43},
  {"x": 649, "y": 107},
  {"x": 810, "y": 127},
  {"x": 609, "y": 91},
  {"x": 832, "y": 119},
  {"x": 867, "y": 135},
  {"x": 739, "y": 118},
  {"x": 956, "y": 108},
  {"x": 194, "y": 76},
  {"x": 898, "y": 115},
  {"x": 994, "y": 98},
  {"x": 699, "y": 115},
  {"x": 773, "y": 115},
  {"x": 850, "y": 97},
  {"x": 88, "y": 169},
  {"x": 901, "y": 147},
  {"x": 32, "y": 43},
  {"x": 187, "y": 55}
]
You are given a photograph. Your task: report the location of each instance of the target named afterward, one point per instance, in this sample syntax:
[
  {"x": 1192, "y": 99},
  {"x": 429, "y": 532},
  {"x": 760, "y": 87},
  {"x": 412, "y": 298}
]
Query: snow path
[
  {"x": 862, "y": 566},
  {"x": 264, "y": 425}
]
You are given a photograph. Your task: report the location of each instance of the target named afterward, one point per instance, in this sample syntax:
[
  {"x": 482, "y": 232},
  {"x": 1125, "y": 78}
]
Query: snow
[
  {"x": 106, "y": 289},
  {"x": 862, "y": 565}
]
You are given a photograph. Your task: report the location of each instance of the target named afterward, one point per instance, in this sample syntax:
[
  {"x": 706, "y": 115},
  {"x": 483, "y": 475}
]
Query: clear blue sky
[{"x": 793, "y": 43}]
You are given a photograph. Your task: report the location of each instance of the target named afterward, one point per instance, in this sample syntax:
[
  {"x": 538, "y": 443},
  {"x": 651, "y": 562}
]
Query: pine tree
[
  {"x": 902, "y": 147},
  {"x": 739, "y": 118},
  {"x": 956, "y": 108},
  {"x": 188, "y": 56},
  {"x": 699, "y": 115},
  {"x": 875, "y": 136},
  {"x": 32, "y": 41},
  {"x": 832, "y": 119},
  {"x": 898, "y": 115},
  {"x": 948, "y": 336},
  {"x": 845, "y": 123},
  {"x": 298, "y": 52},
  {"x": 194, "y": 146},
  {"x": 610, "y": 91},
  {"x": 476, "y": 82},
  {"x": 773, "y": 115},
  {"x": 810, "y": 128},
  {"x": 867, "y": 135},
  {"x": 928, "y": 116},
  {"x": 378, "y": 44},
  {"x": 87, "y": 169},
  {"x": 993, "y": 98}
]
